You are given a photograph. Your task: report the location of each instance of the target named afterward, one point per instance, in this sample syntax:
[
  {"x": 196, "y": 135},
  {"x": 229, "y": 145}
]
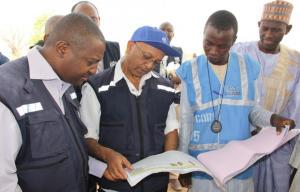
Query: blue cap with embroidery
[{"x": 156, "y": 38}]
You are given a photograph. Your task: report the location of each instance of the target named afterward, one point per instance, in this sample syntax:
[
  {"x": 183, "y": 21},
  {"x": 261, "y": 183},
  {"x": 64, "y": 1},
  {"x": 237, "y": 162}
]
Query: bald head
[
  {"x": 75, "y": 29},
  {"x": 88, "y": 9},
  {"x": 51, "y": 23},
  {"x": 165, "y": 25},
  {"x": 168, "y": 28}
]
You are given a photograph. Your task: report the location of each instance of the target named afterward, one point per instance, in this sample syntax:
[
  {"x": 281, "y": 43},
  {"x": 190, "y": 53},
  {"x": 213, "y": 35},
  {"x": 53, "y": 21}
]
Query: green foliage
[{"x": 38, "y": 28}]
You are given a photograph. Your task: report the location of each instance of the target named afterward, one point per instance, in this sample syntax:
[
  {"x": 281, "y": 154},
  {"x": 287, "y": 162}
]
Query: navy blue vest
[
  {"x": 52, "y": 157},
  {"x": 133, "y": 126}
]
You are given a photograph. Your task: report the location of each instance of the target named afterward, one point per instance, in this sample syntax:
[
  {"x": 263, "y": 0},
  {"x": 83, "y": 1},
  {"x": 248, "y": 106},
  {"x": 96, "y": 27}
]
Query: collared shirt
[
  {"x": 40, "y": 69},
  {"x": 90, "y": 110},
  {"x": 280, "y": 93},
  {"x": 10, "y": 135}
]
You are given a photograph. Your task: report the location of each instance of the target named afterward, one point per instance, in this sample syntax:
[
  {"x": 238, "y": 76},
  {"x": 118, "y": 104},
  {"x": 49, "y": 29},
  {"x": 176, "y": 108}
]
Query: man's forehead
[
  {"x": 210, "y": 29},
  {"x": 168, "y": 27}
]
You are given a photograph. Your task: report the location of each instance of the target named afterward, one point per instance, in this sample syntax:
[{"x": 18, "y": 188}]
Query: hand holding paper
[
  {"x": 281, "y": 122},
  {"x": 250, "y": 150},
  {"x": 116, "y": 165}
]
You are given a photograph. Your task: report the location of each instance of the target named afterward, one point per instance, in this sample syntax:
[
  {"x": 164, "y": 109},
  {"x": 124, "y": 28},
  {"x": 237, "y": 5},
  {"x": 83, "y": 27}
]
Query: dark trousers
[{"x": 93, "y": 185}]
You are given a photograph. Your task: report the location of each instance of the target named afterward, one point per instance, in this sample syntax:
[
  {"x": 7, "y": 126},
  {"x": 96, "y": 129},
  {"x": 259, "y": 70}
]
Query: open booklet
[{"x": 236, "y": 156}]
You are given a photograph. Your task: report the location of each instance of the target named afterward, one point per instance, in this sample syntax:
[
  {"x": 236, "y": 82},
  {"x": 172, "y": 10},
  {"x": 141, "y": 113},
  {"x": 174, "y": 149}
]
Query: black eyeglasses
[{"x": 148, "y": 56}]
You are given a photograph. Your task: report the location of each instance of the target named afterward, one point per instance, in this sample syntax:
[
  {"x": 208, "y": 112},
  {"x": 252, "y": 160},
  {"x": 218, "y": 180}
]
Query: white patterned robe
[{"x": 280, "y": 93}]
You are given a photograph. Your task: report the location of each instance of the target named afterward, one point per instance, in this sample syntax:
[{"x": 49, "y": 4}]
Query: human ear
[
  {"x": 129, "y": 46},
  {"x": 234, "y": 39},
  {"x": 61, "y": 48},
  {"x": 46, "y": 37},
  {"x": 288, "y": 29}
]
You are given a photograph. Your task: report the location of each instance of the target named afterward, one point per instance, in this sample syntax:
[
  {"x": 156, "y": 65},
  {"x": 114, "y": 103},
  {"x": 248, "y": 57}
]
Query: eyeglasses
[{"x": 148, "y": 57}]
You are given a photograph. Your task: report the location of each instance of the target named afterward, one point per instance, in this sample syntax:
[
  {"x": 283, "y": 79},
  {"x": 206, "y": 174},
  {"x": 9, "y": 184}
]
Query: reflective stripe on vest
[
  {"x": 244, "y": 86},
  {"x": 206, "y": 147}
]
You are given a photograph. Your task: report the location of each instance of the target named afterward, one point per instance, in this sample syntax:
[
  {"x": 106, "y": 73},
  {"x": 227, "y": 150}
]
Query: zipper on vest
[
  {"x": 71, "y": 112},
  {"x": 140, "y": 125},
  {"x": 76, "y": 139},
  {"x": 141, "y": 130}
]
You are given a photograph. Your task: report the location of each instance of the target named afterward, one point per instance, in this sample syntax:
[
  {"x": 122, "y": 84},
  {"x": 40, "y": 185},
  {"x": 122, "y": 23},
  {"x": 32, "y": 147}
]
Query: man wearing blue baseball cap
[{"x": 129, "y": 111}]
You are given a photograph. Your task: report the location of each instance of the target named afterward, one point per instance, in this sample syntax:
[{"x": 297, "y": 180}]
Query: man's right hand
[
  {"x": 107, "y": 175},
  {"x": 116, "y": 164}
]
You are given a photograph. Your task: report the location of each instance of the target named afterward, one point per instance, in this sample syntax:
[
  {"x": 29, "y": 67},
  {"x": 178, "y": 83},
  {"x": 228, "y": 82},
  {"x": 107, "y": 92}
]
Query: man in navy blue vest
[
  {"x": 41, "y": 136},
  {"x": 112, "y": 49},
  {"x": 129, "y": 111}
]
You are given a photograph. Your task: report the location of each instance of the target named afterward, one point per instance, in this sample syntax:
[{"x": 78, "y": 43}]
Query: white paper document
[
  {"x": 170, "y": 161},
  {"x": 236, "y": 157}
]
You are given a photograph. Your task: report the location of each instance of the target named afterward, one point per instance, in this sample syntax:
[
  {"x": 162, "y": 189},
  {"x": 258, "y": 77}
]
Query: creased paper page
[
  {"x": 237, "y": 156},
  {"x": 170, "y": 161}
]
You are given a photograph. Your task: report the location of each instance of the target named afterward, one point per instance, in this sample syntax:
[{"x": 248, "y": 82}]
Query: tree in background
[
  {"x": 18, "y": 42},
  {"x": 38, "y": 29},
  {"x": 15, "y": 41}
]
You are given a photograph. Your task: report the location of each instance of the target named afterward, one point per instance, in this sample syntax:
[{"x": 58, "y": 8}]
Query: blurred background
[{"x": 22, "y": 22}]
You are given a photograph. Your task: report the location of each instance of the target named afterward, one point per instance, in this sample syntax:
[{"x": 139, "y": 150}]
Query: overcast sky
[{"x": 119, "y": 18}]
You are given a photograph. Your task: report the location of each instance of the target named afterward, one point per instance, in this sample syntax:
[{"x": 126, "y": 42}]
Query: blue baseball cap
[{"x": 156, "y": 38}]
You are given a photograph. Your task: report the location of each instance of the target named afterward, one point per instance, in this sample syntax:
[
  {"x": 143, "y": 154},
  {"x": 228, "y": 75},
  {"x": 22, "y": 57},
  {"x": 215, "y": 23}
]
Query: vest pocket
[
  {"x": 49, "y": 162},
  {"x": 48, "y": 175},
  {"x": 113, "y": 135},
  {"x": 46, "y": 130}
]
